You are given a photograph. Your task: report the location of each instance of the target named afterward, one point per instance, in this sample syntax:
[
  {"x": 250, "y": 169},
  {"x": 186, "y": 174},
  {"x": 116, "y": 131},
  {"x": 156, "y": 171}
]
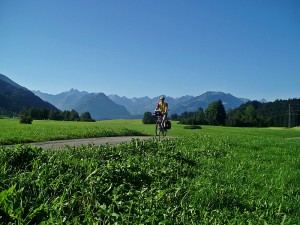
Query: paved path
[
  {"x": 293, "y": 138},
  {"x": 87, "y": 141}
]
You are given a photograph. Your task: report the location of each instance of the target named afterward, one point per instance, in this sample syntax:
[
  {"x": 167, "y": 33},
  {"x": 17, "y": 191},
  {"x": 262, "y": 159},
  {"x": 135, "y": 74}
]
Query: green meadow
[
  {"x": 213, "y": 175},
  {"x": 12, "y": 132}
]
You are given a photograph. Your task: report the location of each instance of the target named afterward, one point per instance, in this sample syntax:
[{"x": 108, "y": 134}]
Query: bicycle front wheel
[{"x": 157, "y": 129}]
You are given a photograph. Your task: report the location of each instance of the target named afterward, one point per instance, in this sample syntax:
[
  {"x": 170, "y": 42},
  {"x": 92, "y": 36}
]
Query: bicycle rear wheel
[{"x": 163, "y": 132}]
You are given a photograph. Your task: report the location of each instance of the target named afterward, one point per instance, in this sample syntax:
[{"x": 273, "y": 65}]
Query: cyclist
[{"x": 163, "y": 107}]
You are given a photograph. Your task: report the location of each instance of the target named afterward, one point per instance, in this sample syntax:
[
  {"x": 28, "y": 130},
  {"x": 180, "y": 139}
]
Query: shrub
[
  {"x": 192, "y": 127},
  {"x": 20, "y": 157},
  {"x": 86, "y": 117},
  {"x": 26, "y": 120},
  {"x": 149, "y": 118}
]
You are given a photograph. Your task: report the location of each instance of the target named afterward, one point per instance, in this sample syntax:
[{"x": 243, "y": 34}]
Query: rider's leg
[{"x": 164, "y": 120}]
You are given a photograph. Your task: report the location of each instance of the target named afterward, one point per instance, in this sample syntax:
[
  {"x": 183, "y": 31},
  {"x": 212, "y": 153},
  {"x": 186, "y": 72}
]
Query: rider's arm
[
  {"x": 157, "y": 106},
  {"x": 166, "y": 108}
]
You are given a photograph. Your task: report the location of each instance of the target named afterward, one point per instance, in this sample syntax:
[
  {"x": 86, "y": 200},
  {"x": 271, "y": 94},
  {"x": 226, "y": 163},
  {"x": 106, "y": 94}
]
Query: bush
[
  {"x": 191, "y": 121},
  {"x": 20, "y": 157},
  {"x": 26, "y": 120},
  {"x": 192, "y": 127},
  {"x": 86, "y": 117},
  {"x": 149, "y": 118}
]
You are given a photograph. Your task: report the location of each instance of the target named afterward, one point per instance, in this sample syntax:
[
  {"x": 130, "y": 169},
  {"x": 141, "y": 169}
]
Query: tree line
[
  {"x": 214, "y": 114},
  {"x": 50, "y": 114},
  {"x": 280, "y": 113}
]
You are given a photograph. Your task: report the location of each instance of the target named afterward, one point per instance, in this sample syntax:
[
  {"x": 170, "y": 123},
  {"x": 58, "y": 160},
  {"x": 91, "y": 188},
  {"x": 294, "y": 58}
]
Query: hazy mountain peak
[
  {"x": 75, "y": 91},
  {"x": 263, "y": 100},
  {"x": 213, "y": 92}
]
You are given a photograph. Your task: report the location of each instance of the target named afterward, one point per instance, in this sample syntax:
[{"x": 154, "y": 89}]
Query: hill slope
[{"x": 14, "y": 98}]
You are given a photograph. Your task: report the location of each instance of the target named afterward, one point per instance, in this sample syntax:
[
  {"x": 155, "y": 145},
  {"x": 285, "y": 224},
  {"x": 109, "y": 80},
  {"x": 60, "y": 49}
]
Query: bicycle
[{"x": 160, "y": 130}]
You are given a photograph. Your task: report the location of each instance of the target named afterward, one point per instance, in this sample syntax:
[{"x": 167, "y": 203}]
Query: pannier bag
[{"x": 168, "y": 124}]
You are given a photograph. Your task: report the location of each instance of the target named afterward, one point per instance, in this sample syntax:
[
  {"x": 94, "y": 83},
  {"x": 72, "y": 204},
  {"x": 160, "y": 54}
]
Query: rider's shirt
[{"x": 163, "y": 106}]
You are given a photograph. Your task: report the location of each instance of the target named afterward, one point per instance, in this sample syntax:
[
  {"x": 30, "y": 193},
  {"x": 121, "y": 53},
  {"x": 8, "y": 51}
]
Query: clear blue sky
[{"x": 136, "y": 48}]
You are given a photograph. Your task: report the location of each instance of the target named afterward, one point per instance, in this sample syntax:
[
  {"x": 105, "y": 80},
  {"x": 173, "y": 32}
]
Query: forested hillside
[
  {"x": 14, "y": 98},
  {"x": 280, "y": 113}
]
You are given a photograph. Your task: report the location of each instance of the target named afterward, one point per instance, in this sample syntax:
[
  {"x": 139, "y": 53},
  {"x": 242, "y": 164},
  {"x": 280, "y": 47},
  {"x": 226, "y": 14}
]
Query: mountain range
[
  {"x": 123, "y": 107},
  {"x": 14, "y": 98},
  {"x": 137, "y": 106}
]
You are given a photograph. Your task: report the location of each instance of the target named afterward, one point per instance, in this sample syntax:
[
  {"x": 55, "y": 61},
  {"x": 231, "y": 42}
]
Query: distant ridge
[{"x": 64, "y": 101}]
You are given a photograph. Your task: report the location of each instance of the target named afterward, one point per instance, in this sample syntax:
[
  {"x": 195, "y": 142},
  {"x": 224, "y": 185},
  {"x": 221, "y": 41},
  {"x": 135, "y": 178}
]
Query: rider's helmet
[{"x": 162, "y": 98}]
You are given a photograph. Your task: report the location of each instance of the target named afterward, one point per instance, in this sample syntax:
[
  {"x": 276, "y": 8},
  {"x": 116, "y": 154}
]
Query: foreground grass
[{"x": 216, "y": 175}]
